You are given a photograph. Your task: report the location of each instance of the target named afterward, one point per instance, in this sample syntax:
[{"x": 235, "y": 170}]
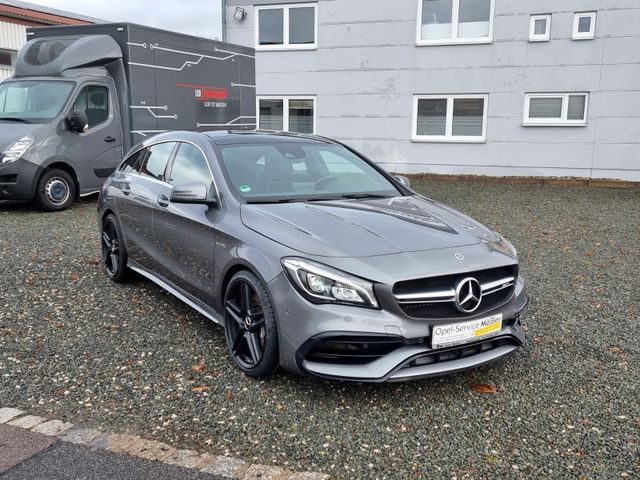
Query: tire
[
  {"x": 56, "y": 191},
  {"x": 250, "y": 327},
  {"x": 113, "y": 251}
]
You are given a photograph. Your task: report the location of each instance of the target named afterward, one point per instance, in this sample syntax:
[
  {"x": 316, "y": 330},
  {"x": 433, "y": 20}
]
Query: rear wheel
[
  {"x": 250, "y": 325},
  {"x": 56, "y": 191},
  {"x": 114, "y": 254}
]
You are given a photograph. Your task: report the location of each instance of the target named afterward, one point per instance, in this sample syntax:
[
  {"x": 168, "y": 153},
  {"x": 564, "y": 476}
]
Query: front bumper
[
  {"x": 18, "y": 180},
  {"x": 303, "y": 326}
]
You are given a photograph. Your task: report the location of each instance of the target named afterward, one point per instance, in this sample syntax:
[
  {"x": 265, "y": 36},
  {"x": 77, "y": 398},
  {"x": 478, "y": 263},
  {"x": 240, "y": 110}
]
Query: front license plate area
[{"x": 468, "y": 331}]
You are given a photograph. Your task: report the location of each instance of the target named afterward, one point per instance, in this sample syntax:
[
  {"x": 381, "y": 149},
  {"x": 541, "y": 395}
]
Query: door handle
[
  {"x": 163, "y": 201},
  {"x": 126, "y": 189},
  {"x": 109, "y": 139}
]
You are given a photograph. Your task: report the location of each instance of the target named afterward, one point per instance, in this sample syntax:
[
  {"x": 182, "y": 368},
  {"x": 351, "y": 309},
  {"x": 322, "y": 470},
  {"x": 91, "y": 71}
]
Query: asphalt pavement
[{"x": 25, "y": 455}]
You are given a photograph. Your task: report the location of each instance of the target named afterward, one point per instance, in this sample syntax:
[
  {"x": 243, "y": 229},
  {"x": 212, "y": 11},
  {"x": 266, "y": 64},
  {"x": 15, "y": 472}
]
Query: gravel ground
[{"x": 127, "y": 358}]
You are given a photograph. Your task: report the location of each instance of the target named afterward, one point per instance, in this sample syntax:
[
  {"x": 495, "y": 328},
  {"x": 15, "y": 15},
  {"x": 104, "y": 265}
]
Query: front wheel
[
  {"x": 56, "y": 191},
  {"x": 114, "y": 253},
  {"x": 250, "y": 326}
]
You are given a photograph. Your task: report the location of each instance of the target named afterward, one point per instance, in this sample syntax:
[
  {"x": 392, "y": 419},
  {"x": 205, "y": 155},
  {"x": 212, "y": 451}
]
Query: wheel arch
[{"x": 64, "y": 165}]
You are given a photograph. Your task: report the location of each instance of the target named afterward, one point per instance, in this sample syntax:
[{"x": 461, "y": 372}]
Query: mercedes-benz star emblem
[
  {"x": 468, "y": 295},
  {"x": 459, "y": 256}
]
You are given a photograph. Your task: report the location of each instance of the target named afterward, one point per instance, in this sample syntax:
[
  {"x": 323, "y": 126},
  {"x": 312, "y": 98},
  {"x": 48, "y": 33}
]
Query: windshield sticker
[{"x": 244, "y": 188}]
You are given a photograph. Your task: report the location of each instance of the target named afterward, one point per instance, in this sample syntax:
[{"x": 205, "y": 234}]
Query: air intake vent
[{"x": 46, "y": 51}]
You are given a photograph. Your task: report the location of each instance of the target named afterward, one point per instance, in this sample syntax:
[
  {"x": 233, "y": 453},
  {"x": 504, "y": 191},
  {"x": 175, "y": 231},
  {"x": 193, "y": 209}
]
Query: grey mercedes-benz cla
[{"x": 311, "y": 257}]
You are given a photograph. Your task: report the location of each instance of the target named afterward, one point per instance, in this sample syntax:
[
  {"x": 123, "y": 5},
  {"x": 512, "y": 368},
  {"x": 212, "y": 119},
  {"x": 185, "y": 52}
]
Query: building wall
[
  {"x": 367, "y": 68},
  {"x": 12, "y": 37}
]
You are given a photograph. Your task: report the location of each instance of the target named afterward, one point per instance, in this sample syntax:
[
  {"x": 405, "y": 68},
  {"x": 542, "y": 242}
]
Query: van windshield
[{"x": 33, "y": 101}]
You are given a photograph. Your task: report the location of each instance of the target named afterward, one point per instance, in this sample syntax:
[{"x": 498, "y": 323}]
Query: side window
[
  {"x": 94, "y": 100},
  {"x": 156, "y": 160},
  {"x": 132, "y": 164},
  {"x": 190, "y": 166}
]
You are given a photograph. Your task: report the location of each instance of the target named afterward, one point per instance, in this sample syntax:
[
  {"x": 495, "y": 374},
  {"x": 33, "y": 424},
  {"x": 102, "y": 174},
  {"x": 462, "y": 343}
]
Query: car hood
[
  {"x": 364, "y": 228},
  {"x": 10, "y": 131}
]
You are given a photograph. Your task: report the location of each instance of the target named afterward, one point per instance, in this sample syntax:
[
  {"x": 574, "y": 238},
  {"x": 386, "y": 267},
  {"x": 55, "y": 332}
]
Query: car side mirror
[
  {"x": 403, "y": 180},
  {"x": 77, "y": 121},
  {"x": 196, "y": 192}
]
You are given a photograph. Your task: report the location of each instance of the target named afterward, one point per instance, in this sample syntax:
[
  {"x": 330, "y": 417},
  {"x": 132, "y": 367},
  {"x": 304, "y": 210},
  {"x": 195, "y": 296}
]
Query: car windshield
[
  {"x": 289, "y": 172},
  {"x": 33, "y": 101}
]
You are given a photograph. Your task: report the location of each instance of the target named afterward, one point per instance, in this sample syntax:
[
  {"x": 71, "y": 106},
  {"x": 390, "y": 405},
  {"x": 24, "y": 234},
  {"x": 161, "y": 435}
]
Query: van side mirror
[
  {"x": 77, "y": 121},
  {"x": 403, "y": 180},
  {"x": 196, "y": 192}
]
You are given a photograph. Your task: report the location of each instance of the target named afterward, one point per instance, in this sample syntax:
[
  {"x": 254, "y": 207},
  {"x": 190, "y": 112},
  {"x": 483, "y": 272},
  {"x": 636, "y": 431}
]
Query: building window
[
  {"x": 7, "y": 58},
  {"x": 584, "y": 26},
  {"x": 450, "y": 118},
  {"x": 555, "y": 109},
  {"x": 288, "y": 114},
  {"x": 540, "y": 28},
  {"x": 286, "y": 27},
  {"x": 442, "y": 22}
]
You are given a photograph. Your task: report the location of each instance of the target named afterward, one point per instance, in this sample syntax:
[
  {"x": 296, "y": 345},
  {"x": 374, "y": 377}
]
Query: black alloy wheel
[
  {"x": 250, "y": 325},
  {"x": 114, "y": 255}
]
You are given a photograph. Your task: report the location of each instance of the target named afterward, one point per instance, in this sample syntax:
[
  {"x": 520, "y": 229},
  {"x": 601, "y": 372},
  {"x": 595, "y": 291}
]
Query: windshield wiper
[
  {"x": 15, "y": 119},
  {"x": 356, "y": 196}
]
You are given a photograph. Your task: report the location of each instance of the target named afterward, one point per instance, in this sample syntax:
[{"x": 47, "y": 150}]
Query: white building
[{"x": 485, "y": 87}]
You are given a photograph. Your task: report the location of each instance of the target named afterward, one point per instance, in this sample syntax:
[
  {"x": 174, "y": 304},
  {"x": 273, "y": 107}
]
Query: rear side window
[
  {"x": 190, "y": 166},
  {"x": 155, "y": 162},
  {"x": 132, "y": 164}
]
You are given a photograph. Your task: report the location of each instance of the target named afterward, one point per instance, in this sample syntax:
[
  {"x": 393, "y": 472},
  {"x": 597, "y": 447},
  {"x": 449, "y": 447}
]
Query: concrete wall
[
  {"x": 12, "y": 37},
  {"x": 368, "y": 68}
]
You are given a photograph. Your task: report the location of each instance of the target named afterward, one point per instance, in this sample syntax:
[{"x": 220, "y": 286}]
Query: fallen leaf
[
  {"x": 615, "y": 349},
  {"x": 229, "y": 393},
  {"x": 200, "y": 389},
  {"x": 483, "y": 388},
  {"x": 74, "y": 277},
  {"x": 198, "y": 367},
  {"x": 279, "y": 407},
  {"x": 60, "y": 325},
  {"x": 622, "y": 251},
  {"x": 589, "y": 253},
  {"x": 60, "y": 392}
]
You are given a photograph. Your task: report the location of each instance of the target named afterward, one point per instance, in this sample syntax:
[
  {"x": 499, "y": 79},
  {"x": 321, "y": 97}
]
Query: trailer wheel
[{"x": 56, "y": 191}]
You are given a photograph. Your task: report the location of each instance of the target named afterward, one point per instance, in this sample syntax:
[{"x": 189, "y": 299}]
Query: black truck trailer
[{"x": 83, "y": 95}]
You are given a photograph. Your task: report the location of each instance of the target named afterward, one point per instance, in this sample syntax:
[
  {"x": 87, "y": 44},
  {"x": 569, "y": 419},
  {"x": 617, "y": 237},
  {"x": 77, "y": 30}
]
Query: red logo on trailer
[{"x": 207, "y": 93}]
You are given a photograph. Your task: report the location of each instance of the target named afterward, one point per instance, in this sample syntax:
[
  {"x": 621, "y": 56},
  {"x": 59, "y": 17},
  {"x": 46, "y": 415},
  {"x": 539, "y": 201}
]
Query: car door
[
  {"x": 185, "y": 233},
  {"x": 141, "y": 181},
  {"x": 96, "y": 152}
]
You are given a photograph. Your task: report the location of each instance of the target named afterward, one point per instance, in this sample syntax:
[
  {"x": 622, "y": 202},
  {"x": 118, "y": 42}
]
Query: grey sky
[{"x": 196, "y": 17}]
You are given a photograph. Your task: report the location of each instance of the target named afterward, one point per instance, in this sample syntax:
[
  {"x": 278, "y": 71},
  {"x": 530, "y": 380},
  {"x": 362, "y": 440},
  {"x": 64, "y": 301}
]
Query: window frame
[
  {"x": 286, "y": 27},
  {"x": 537, "y": 37},
  {"x": 550, "y": 122},
  {"x": 455, "y": 14},
  {"x": 12, "y": 58},
  {"x": 448, "y": 137},
  {"x": 285, "y": 109},
  {"x": 591, "y": 34}
]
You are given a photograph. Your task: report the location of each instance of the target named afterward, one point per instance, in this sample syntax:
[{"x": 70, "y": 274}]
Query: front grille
[
  {"x": 457, "y": 353},
  {"x": 443, "y": 306},
  {"x": 352, "y": 350}
]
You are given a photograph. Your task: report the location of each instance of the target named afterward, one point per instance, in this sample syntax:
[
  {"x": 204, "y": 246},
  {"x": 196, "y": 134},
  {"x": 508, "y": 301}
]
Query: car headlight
[
  {"x": 322, "y": 284},
  {"x": 17, "y": 149}
]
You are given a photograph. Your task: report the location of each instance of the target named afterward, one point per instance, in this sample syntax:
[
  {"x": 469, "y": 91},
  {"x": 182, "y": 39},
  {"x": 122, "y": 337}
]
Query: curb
[{"x": 134, "y": 446}]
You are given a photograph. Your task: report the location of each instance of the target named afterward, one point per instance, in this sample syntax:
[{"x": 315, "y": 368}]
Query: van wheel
[{"x": 56, "y": 191}]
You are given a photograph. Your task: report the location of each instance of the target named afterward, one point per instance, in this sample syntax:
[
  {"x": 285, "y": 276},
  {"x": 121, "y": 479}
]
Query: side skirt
[{"x": 186, "y": 298}]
